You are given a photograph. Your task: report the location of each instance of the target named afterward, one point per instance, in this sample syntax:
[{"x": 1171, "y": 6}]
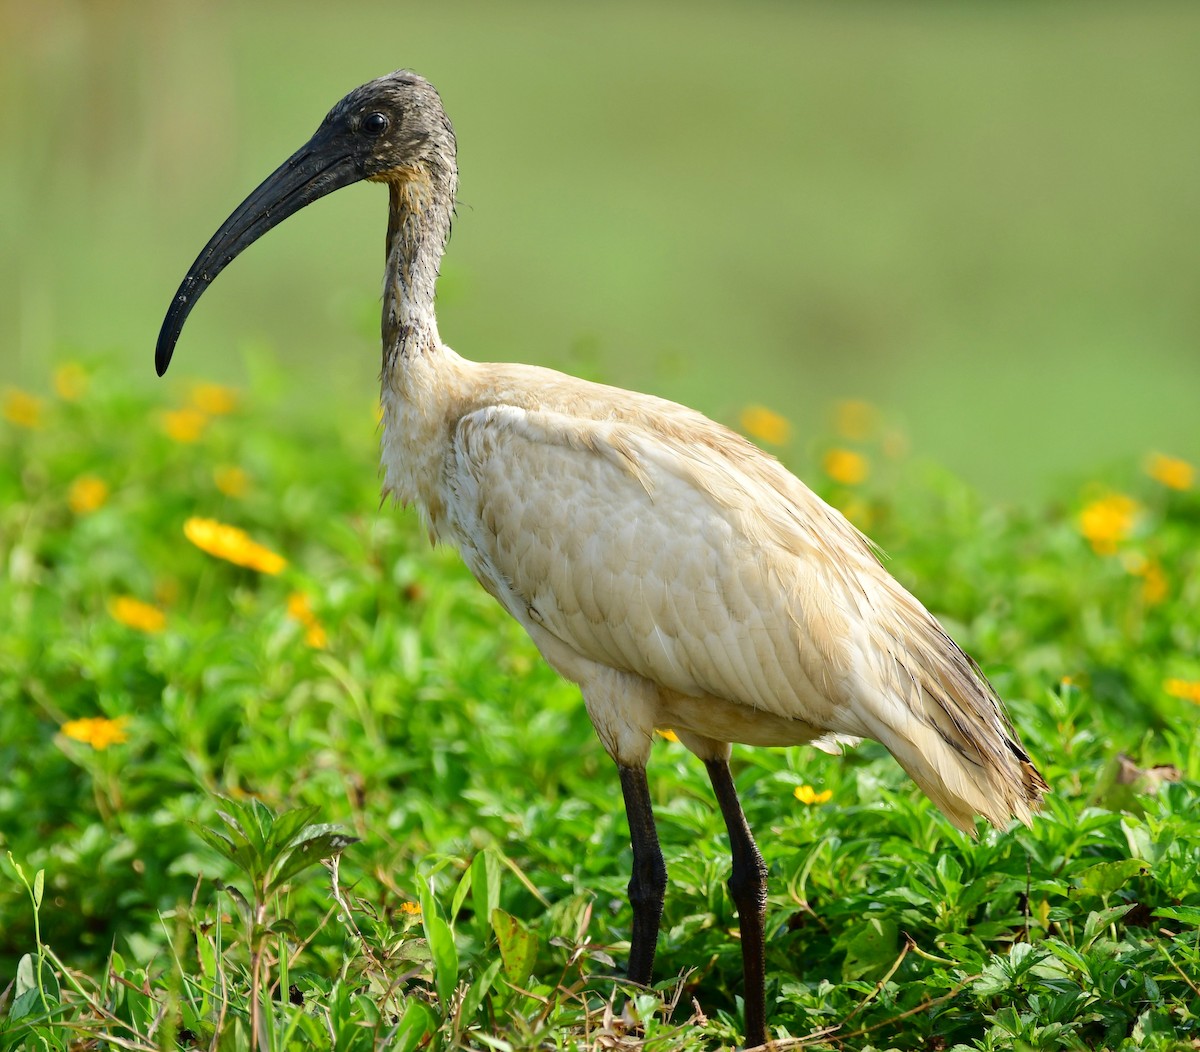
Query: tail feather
[{"x": 934, "y": 710}]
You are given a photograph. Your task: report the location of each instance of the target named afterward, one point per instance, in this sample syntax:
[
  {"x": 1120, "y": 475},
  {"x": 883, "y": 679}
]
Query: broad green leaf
[
  {"x": 323, "y": 842},
  {"x": 485, "y": 890},
  {"x": 518, "y": 946},
  {"x": 23, "y": 1005},
  {"x": 366, "y": 1010},
  {"x": 26, "y": 978},
  {"x": 416, "y": 1022},
  {"x": 219, "y": 842},
  {"x": 1143, "y": 843},
  {"x": 871, "y": 948},
  {"x": 1067, "y": 954},
  {"x": 1106, "y": 877},
  {"x": 262, "y": 819},
  {"x": 645, "y": 1008},
  {"x": 993, "y": 979},
  {"x": 25, "y": 985},
  {"x": 236, "y": 849},
  {"x": 286, "y": 927},
  {"x": 949, "y": 872},
  {"x": 206, "y": 953},
  {"x": 286, "y": 827},
  {"x": 429, "y": 907},
  {"x": 441, "y": 947},
  {"x": 1098, "y": 920},
  {"x": 445, "y": 958},
  {"x": 1022, "y": 957},
  {"x": 1150, "y": 1023},
  {"x": 1187, "y": 914},
  {"x": 251, "y": 825},
  {"x": 234, "y": 817}
]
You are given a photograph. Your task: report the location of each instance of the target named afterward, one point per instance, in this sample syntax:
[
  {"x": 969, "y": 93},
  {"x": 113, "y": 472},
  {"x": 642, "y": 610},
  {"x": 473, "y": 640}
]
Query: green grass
[{"x": 428, "y": 728}]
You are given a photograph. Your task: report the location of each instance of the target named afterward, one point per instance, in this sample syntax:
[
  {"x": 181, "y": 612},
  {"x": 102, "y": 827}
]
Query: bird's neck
[
  {"x": 418, "y": 227},
  {"x": 422, "y": 378}
]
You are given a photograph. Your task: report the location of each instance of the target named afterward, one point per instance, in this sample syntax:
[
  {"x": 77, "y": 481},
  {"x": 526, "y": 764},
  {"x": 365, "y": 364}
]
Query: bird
[{"x": 679, "y": 575}]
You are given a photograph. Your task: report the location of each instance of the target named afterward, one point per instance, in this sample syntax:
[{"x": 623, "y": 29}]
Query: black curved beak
[{"x": 322, "y": 165}]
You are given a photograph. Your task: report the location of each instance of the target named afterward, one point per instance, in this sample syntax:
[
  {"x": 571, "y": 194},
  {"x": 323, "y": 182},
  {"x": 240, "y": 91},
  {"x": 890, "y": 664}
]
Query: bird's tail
[{"x": 936, "y": 713}]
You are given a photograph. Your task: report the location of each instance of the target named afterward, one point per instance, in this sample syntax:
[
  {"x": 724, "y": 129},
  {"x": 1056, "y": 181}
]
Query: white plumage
[{"x": 682, "y": 577}]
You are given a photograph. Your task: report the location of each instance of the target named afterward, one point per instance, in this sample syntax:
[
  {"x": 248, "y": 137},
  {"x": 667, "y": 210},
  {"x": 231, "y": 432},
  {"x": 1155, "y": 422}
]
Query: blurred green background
[{"x": 982, "y": 217}]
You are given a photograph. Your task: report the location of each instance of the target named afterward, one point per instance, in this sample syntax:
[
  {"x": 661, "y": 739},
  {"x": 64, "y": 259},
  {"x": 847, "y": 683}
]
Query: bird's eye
[{"x": 375, "y": 123}]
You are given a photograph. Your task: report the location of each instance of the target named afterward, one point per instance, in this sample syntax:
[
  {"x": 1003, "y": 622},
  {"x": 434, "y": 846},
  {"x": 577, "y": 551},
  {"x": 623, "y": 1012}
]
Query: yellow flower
[
  {"x": 184, "y": 425},
  {"x": 298, "y": 609},
  {"x": 855, "y": 419},
  {"x": 232, "y": 545},
  {"x": 1154, "y": 585},
  {"x": 1154, "y": 581},
  {"x": 806, "y": 794},
  {"x": 1171, "y": 471},
  {"x": 232, "y": 481},
  {"x": 21, "y": 408},
  {"x": 97, "y": 731},
  {"x": 413, "y": 909},
  {"x": 845, "y": 466},
  {"x": 766, "y": 425},
  {"x": 70, "y": 381},
  {"x": 1108, "y": 520},
  {"x": 1188, "y": 689},
  {"x": 87, "y": 493},
  {"x": 670, "y": 735},
  {"x": 214, "y": 399},
  {"x": 135, "y": 614}
]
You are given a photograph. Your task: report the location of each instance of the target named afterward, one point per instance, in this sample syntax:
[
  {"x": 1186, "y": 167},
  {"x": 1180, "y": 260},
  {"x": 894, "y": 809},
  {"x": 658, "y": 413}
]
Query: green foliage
[{"x": 163, "y": 887}]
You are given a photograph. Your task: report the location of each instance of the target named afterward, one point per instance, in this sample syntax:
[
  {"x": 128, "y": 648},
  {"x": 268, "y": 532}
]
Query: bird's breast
[{"x": 421, "y": 400}]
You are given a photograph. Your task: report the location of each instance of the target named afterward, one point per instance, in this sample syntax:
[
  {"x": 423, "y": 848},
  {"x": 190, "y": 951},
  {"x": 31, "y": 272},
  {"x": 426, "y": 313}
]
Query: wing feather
[
  {"x": 605, "y": 530},
  {"x": 657, "y": 543}
]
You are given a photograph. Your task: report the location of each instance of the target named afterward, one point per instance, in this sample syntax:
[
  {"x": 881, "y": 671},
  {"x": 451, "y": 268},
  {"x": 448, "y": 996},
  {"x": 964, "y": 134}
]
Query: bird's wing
[
  {"x": 677, "y": 551},
  {"x": 657, "y": 556}
]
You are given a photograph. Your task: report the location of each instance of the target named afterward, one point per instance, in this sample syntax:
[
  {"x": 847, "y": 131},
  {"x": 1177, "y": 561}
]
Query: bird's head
[
  {"x": 392, "y": 130},
  {"x": 389, "y": 128}
]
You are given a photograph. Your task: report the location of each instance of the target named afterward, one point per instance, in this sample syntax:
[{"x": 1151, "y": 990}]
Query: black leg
[
  {"x": 748, "y": 888},
  {"x": 648, "y": 886}
]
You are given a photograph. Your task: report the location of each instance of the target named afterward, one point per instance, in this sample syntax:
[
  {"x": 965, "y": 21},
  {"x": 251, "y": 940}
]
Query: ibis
[{"x": 682, "y": 577}]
